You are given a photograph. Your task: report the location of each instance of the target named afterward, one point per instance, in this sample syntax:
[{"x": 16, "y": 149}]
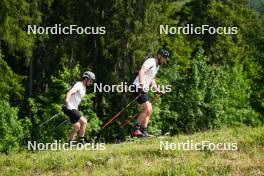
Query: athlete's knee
[
  {"x": 148, "y": 110},
  {"x": 77, "y": 126},
  {"x": 83, "y": 121}
]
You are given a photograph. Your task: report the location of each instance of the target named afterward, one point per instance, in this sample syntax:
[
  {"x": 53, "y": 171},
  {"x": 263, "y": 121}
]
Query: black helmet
[{"x": 164, "y": 53}]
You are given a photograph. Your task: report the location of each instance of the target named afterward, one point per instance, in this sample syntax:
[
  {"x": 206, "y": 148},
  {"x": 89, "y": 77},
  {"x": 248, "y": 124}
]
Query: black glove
[{"x": 64, "y": 107}]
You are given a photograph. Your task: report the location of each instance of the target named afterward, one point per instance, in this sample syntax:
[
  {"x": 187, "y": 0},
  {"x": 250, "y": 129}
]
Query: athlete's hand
[
  {"x": 66, "y": 103},
  {"x": 161, "y": 93},
  {"x": 64, "y": 107}
]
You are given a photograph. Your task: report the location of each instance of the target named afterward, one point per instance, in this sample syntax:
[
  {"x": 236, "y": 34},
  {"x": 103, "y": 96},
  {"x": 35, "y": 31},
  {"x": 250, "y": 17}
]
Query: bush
[
  {"x": 208, "y": 97},
  {"x": 11, "y": 130}
]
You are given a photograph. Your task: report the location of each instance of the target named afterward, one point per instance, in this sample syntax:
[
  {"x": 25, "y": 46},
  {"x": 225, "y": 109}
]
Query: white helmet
[{"x": 89, "y": 75}]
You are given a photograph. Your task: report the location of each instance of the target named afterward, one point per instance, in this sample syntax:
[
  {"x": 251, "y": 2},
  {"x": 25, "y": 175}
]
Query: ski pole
[
  {"x": 115, "y": 116},
  {"x": 128, "y": 121},
  {"x": 58, "y": 127},
  {"x": 65, "y": 121},
  {"x": 156, "y": 97},
  {"x": 48, "y": 120}
]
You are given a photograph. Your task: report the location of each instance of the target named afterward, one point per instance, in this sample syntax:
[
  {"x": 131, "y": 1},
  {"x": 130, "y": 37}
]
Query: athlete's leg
[
  {"x": 144, "y": 116},
  {"x": 75, "y": 129},
  {"x": 148, "y": 115},
  {"x": 83, "y": 122},
  {"x": 144, "y": 123},
  {"x": 142, "y": 119}
]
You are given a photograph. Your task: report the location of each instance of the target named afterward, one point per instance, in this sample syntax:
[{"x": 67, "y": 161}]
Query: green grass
[{"x": 144, "y": 157}]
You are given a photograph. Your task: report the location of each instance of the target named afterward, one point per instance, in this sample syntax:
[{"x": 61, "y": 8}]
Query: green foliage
[
  {"x": 14, "y": 17},
  {"x": 222, "y": 86},
  {"x": 209, "y": 97},
  {"x": 243, "y": 48},
  {"x": 10, "y": 83},
  {"x": 93, "y": 121},
  {"x": 11, "y": 130},
  {"x": 257, "y": 4}
]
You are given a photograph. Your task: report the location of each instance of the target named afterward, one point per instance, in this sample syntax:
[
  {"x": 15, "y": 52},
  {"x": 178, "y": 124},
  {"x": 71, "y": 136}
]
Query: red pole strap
[{"x": 115, "y": 116}]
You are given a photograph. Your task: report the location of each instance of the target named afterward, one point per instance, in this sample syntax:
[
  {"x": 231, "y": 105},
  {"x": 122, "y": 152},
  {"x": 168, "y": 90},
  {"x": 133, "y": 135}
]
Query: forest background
[{"x": 217, "y": 80}]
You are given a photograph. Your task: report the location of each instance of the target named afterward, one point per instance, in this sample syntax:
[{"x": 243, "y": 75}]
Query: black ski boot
[
  {"x": 72, "y": 143},
  {"x": 82, "y": 140},
  {"x": 145, "y": 132},
  {"x": 136, "y": 131}
]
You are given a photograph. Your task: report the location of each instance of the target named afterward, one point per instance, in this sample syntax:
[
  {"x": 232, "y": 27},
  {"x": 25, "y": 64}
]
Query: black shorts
[
  {"x": 73, "y": 114},
  {"x": 142, "y": 98}
]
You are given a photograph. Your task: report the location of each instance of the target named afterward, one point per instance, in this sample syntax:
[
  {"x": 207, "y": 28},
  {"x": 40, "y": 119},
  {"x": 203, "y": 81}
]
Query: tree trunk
[
  {"x": 30, "y": 85},
  {"x": 30, "y": 78}
]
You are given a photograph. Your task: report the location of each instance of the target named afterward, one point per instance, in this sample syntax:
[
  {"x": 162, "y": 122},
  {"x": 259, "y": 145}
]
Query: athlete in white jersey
[
  {"x": 149, "y": 75},
  {"x": 72, "y": 101},
  {"x": 143, "y": 81}
]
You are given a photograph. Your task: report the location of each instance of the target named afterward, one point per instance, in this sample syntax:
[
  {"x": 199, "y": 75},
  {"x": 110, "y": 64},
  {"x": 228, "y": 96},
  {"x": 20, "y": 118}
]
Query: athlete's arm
[
  {"x": 141, "y": 75},
  {"x": 73, "y": 90},
  {"x": 68, "y": 95}
]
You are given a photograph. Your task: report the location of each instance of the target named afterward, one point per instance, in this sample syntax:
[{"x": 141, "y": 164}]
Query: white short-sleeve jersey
[
  {"x": 76, "y": 98},
  {"x": 152, "y": 69}
]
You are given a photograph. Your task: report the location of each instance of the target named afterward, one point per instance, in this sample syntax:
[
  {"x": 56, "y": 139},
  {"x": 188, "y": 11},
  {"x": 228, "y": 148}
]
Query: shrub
[{"x": 11, "y": 130}]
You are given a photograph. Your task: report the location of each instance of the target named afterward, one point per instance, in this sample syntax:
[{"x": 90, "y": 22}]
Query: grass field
[{"x": 144, "y": 157}]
